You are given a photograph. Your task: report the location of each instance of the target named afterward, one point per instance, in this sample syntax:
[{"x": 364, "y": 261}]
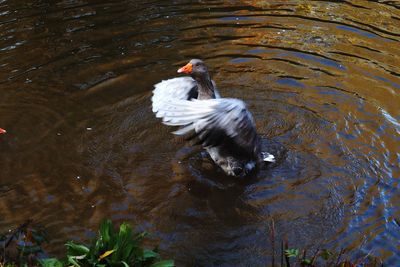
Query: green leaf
[
  {"x": 106, "y": 231},
  {"x": 164, "y": 263},
  {"x": 51, "y": 262},
  {"x": 111, "y": 247},
  {"x": 128, "y": 251},
  {"x": 125, "y": 232},
  {"x": 150, "y": 254},
  {"x": 124, "y": 228},
  {"x": 306, "y": 261},
  {"x": 76, "y": 249},
  {"x": 125, "y": 243},
  {"x": 95, "y": 248},
  {"x": 293, "y": 252},
  {"x": 71, "y": 260}
]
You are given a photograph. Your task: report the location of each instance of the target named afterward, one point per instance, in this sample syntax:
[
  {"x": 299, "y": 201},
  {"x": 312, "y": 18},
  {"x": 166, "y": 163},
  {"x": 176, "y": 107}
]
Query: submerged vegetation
[
  {"x": 320, "y": 256},
  {"x": 23, "y": 247},
  {"x": 323, "y": 257}
]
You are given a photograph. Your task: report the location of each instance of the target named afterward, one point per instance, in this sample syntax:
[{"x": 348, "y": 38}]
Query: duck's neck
[{"x": 205, "y": 87}]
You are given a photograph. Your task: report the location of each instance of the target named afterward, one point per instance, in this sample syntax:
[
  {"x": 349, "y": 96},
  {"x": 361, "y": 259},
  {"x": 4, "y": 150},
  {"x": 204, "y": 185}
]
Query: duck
[{"x": 223, "y": 126}]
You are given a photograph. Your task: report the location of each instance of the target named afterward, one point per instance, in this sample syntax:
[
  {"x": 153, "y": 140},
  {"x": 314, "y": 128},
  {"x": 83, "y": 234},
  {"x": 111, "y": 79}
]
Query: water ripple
[{"x": 321, "y": 79}]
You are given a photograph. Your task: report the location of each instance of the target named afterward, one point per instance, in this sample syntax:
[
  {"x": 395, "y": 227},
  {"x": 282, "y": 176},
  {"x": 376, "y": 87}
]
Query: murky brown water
[{"x": 321, "y": 78}]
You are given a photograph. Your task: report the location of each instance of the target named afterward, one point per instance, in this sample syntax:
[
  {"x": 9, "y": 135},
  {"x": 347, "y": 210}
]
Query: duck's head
[{"x": 195, "y": 68}]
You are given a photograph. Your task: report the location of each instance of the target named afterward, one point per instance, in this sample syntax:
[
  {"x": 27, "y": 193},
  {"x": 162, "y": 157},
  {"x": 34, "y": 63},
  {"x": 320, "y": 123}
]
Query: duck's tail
[{"x": 267, "y": 157}]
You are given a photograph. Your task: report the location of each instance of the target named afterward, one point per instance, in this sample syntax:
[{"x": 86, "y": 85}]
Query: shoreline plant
[{"x": 110, "y": 247}]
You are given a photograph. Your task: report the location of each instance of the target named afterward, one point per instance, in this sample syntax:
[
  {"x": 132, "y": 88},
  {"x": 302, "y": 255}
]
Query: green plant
[
  {"x": 324, "y": 257},
  {"x": 111, "y": 248},
  {"x": 291, "y": 252},
  {"x": 320, "y": 257},
  {"x": 51, "y": 262}
]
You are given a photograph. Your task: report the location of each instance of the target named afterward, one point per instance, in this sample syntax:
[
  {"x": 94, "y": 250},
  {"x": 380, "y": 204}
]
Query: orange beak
[
  {"x": 2, "y": 131},
  {"x": 186, "y": 69}
]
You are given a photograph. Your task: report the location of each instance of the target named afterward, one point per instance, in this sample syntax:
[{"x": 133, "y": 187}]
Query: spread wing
[
  {"x": 181, "y": 88},
  {"x": 215, "y": 122}
]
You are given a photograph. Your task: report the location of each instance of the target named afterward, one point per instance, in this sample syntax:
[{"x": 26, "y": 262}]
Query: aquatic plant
[
  {"x": 108, "y": 248},
  {"x": 320, "y": 256},
  {"x": 325, "y": 257},
  {"x": 111, "y": 248},
  {"x": 124, "y": 247}
]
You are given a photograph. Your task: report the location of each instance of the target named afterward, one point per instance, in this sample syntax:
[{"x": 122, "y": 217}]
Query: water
[{"x": 321, "y": 78}]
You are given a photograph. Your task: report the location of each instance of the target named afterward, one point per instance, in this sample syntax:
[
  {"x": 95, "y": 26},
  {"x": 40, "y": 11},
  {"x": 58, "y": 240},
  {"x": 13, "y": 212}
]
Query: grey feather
[
  {"x": 212, "y": 119},
  {"x": 223, "y": 126},
  {"x": 180, "y": 88}
]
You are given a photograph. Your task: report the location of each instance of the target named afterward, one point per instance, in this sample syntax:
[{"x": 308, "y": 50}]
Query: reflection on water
[{"x": 321, "y": 78}]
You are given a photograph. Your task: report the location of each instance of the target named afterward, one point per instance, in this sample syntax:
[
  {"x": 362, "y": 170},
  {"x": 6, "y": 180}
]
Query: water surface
[{"x": 321, "y": 78}]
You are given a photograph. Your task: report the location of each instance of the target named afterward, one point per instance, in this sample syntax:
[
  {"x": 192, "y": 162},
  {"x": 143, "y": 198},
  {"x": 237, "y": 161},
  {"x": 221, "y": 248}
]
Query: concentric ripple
[{"x": 321, "y": 78}]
